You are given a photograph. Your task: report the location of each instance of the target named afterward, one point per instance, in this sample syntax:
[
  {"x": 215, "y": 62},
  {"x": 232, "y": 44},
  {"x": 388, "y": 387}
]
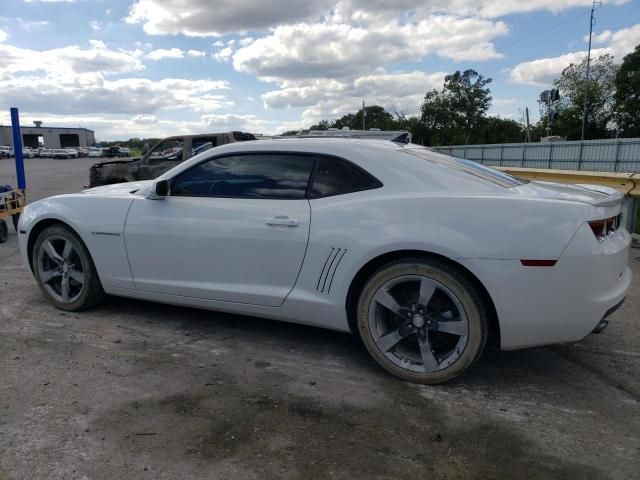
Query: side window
[
  {"x": 247, "y": 176},
  {"x": 335, "y": 177},
  {"x": 167, "y": 150},
  {"x": 200, "y": 145}
]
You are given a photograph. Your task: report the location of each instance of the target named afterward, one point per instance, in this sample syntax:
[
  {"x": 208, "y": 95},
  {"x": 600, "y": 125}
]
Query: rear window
[{"x": 467, "y": 166}]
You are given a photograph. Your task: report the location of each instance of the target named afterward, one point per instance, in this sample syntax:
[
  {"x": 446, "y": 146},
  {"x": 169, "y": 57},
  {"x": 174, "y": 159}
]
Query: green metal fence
[{"x": 614, "y": 155}]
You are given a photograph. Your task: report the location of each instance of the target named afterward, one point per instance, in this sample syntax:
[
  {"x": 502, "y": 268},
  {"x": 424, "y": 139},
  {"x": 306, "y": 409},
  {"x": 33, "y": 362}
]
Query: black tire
[
  {"x": 91, "y": 293},
  {"x": 4, "y": 231},
  {"x": 16, "y": 219},
  {"x": 458, "y": 284}
]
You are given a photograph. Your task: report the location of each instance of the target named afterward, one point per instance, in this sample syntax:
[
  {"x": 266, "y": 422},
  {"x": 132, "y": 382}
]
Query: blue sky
[{"x": 159, "y": 67}]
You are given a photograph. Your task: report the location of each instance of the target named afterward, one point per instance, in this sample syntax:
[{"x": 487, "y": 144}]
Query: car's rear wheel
[
  {"x": 64, "y": 270},
  {"x": 423, "y": 320}
]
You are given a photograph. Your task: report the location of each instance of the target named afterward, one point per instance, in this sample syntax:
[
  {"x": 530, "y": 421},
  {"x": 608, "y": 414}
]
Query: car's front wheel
[
  {"x": 64, "y": 270},
  {"x": 423, "y": 320}
]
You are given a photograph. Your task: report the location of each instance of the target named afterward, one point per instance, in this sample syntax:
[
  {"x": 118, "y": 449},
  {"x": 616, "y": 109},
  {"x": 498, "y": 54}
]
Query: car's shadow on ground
[{"x": 495, "y": 369}]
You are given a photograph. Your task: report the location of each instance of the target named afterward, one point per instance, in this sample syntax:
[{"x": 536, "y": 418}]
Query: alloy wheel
[
  {"x": 418, "y": 323},
  {"x": 60, "y": 269}
]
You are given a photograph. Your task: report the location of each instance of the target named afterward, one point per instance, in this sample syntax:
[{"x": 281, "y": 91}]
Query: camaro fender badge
[{"x": 110, "y": 234}]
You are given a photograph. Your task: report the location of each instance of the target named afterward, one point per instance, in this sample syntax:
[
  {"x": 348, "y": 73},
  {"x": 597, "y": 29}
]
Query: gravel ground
[{"x": 139, "y": 390}]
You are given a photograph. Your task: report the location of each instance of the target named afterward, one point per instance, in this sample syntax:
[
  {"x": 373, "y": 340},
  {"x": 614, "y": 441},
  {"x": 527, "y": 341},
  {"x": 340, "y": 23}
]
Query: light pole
[{"x": 586, "y": 80}]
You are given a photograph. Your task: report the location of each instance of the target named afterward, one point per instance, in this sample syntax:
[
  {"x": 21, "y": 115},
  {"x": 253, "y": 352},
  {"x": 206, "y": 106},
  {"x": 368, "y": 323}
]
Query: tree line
[{"x": 457, "y": 113}]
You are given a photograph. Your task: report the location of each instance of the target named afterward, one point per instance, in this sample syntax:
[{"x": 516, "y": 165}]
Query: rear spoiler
[{"x": 613, "y": 197}]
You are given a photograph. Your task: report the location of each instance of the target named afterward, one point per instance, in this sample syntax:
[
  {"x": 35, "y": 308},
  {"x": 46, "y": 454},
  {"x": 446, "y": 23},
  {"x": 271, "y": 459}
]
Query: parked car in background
[
  {"x": 94, "y": 152},
  {"x": 112, "y": 152},
  {"x": 82, "y": 152},
  {"x": 426, "y": 257},
  {"x": 163, "y": 156},
  {"x": 125, "y": 152},
  {"x": 61, "y": 153},
  {"x": 72, "y": 151},
  {"x": 27, "y": 152},
  {"x": 46, "y": 153},
  {"x": 5, "y": 151}
]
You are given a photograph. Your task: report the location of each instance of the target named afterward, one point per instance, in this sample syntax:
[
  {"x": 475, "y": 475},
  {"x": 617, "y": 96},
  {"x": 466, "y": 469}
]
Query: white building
[{"x": 50, "y": 137}]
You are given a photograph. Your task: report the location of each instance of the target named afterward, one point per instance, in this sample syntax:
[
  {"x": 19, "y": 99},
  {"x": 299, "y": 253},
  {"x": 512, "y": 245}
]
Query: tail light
[{"x": 602, "y": 228}]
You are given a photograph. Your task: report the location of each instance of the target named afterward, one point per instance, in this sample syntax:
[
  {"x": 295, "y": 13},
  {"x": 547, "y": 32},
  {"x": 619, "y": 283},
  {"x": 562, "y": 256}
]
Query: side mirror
[{"x": 159, "y": 191}]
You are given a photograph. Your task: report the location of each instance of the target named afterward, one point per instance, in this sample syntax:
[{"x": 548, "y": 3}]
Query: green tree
[
  {"x": 499, "y": 130},
  {"x": 469, "y": 98},
  {"x": 457, "y": 113},
  {"x": 323, "y": 125},
  {"x": 436, "y": 119},
  {"x": 377, "y": 117},
  {"x": 627, "y": 97},
  {"x": 600, "y": 99}
]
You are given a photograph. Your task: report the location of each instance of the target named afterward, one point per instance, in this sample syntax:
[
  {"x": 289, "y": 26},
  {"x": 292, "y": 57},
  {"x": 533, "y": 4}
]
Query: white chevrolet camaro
[{"x": 425, "y": 257}]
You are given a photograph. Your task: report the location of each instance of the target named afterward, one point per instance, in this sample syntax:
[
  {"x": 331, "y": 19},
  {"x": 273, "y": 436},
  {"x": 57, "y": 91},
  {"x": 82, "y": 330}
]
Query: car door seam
[
  {"x": 124, "y": 238},
  {"x": 304, "y": 256}
]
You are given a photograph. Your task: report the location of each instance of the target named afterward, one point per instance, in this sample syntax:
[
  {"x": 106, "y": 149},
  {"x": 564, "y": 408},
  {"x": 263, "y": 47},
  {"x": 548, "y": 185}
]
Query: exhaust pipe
[{"x": 601, "y": 326}]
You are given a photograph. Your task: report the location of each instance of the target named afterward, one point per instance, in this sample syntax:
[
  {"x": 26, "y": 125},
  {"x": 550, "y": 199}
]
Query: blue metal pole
[{"x": 17, "y": 148}]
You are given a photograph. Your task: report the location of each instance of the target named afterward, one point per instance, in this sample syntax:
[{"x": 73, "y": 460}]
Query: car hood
[
  {"x": 596, "y": 195},
  {"x": 118, "y": 189}
]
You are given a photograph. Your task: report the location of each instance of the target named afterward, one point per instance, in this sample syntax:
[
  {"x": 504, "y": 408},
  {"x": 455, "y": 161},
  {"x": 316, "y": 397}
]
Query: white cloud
[
  {"x": 69, "y": 61},
  {"x": 145, "y": 119},
  {"x": 195, "y": 53},
  {"x": 376, "y": 9},
  {"x": 327, "y": 50},
  {"x": 117, "y": 127},
  {"x": 95, "y": 25},
  {"x": 198, "y": 17},
  {"x": 50, "y": 1},
  {"x": 3, "y": 35},
  {"x": 224, "y": 54},
  {"x": 74, "y": 80},
  {"x": 31, "y": 25},
  {"x": 403, "y": 91},
  {"x": 163, "y": 53},
  {"x": 543, "y": 71},
  {"x": 230, "y": 121}
]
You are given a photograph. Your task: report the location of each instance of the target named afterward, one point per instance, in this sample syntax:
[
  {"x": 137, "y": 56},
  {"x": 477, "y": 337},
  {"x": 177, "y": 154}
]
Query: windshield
[{"x": 467, "y": 166}]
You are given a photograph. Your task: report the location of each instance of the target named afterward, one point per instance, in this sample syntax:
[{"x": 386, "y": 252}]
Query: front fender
[{"x": 99, "y": 222}]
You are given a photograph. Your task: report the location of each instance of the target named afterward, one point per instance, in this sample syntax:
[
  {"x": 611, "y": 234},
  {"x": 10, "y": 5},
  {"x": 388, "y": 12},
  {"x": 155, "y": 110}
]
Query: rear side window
[
  {"x": 247, "y": 176},
  {"x": 467, "y": 166},
  {"x": 334, "y": 176}
]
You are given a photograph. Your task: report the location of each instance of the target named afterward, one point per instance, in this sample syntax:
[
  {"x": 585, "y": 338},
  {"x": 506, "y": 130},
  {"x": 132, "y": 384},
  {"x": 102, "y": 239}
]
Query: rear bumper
[{"x": 564, "y": 303}]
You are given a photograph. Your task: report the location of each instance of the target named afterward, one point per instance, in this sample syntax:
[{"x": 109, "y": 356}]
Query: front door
[{"x": 233, "y": 229}]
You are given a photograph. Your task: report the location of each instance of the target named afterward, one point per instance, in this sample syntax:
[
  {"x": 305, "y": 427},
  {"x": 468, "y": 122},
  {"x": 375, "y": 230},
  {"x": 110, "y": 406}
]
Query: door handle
[{"x": 283, "y": 221}]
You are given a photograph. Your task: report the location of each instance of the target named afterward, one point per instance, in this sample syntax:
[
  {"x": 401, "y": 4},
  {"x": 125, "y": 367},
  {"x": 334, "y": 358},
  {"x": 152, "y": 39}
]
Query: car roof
[{"x": 317, "y": 145}]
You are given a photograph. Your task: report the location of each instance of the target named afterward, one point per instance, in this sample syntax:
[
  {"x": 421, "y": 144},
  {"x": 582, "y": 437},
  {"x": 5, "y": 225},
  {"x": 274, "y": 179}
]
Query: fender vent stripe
[
  {"x": 329, "y": 269},
  {"x": 344, "y": 251}
]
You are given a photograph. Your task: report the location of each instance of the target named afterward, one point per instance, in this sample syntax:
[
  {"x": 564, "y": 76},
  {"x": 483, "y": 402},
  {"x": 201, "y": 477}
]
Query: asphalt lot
[{"x": 138, "y": 390}]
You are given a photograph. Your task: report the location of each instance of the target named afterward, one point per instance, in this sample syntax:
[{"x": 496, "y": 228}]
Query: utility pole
[
  {"x": 586, "y": 80},
  {"x": 526, "y": 112}
]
